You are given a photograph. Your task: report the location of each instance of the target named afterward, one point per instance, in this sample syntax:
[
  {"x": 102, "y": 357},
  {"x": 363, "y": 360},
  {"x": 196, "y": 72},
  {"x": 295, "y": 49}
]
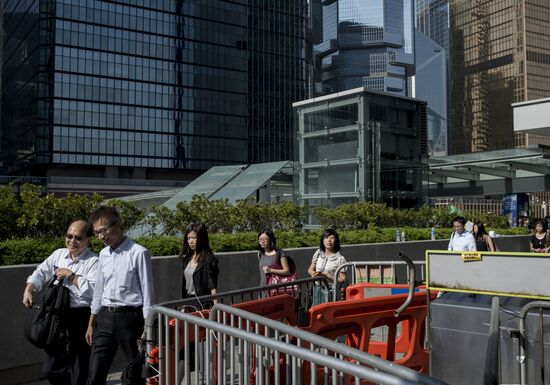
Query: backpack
[{"x": 47, "y": 324}]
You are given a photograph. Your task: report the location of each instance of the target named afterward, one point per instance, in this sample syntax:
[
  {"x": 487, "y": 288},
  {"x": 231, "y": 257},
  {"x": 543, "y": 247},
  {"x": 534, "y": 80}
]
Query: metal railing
[
  {"x": 299, "y": 288},
  {"x": 251, "y": 350},
  {"x": 233, "y": 317},
  {"x": 352, "y": 279}
]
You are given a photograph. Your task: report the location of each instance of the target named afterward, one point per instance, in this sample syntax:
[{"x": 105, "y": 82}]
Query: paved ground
[{"x": 112, "y": 379}]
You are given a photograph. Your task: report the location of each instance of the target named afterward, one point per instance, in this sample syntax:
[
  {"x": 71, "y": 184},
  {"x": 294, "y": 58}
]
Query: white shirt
[
  {"x": 327, "y": 265},
  {"x": 84, "y": 266},
  {"x": 462, "y": 242},
  {"x": 124, "y": 278}
]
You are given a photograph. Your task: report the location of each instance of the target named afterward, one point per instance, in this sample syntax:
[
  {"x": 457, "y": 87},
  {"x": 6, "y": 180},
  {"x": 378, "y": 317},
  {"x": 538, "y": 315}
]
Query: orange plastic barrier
[
  {"x": 401, "y": 337},
  {"x": 281, "y": 307}
]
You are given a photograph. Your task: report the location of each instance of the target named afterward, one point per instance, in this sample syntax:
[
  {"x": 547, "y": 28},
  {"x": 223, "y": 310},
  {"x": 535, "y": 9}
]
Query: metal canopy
[
  {"x": 490, "y": 172},
  {"x": 248, "y": 181}
]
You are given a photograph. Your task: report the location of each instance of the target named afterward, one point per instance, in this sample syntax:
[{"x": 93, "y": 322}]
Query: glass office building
[
  {"x": 431, "y": 86},
  {"x": 151, "y": 88},
  {"x": 500, "y": 54},
  {"x": 432, "y": 21},
  {"x": 365, "y": 44},
  {"x": 360, "y": 145}
]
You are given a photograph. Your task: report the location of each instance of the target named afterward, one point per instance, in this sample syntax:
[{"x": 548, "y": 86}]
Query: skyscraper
[
  {"x": 431, "y": 86},
  {"x": 500, "y": 54},
  {"x": 366, "y": 43},
  {"x": 149, "y": 89},
  {"x": 432, "y": 21}
]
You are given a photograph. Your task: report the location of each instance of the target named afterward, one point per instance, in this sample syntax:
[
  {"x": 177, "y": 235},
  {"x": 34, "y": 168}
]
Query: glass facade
[
  {"x": 431, "y": 86},
  {"x": 365, "y": 43},
  {"x": 168, "y": 85},
  {"x": 500, "y": 55},
  {"x": 362, "y": 146},
  {"x": 432, "y": 21}
]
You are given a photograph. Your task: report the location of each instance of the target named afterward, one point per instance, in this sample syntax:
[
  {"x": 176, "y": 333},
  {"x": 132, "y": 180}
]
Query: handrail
[
  {"x": 332, "y": 363},
  {"x": 523, "y": 355},
  {"x": 355, "y": 264},
  {"x": 322, "y": 342},
  {"x": 411, "y": 281},
  {"x": 248, "y": 293}
]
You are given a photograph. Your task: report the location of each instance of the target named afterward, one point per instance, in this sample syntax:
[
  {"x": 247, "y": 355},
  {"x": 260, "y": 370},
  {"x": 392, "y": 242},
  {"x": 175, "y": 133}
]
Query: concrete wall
[{"x": 20, "y": 361}]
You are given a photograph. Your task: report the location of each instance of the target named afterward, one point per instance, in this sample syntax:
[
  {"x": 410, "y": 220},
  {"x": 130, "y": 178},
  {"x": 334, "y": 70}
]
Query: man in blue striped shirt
[{"x": 123, "y": 297}]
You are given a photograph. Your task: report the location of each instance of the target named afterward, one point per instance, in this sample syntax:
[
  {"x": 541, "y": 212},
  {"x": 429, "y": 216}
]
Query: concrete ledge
[{"x": 21, "y": 361}]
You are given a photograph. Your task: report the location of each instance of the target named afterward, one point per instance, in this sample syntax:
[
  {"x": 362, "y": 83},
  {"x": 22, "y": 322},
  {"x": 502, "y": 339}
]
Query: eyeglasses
[
  {"x": 70, "y": 237},
  {"x": 263, "y": 239},
  {"x": 104, "y": 229}
]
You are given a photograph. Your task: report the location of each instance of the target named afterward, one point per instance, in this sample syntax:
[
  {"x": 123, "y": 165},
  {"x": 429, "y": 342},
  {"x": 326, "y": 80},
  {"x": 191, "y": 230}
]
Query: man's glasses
[
  {"x": 70, "y": 237},
  {"x": 104, "y": 229}
]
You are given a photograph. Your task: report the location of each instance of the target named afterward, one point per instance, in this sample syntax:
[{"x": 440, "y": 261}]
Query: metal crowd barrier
[
  {"x": 299, "y": 288},
  {"x": 244, "y": 348},
  {"x": 234, "y": 317},
  {"x": 352, "y": 279}
]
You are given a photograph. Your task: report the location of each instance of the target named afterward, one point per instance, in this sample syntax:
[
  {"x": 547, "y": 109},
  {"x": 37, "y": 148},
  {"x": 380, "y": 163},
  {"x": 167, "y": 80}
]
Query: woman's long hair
[
  {"x": 480, "y": 230},
  {"x": 327, "y": 233},
  {"x": 202, "y": 250},
  {"x": 272, "y": 240}
]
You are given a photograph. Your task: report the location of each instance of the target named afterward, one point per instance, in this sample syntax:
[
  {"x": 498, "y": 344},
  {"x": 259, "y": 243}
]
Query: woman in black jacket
[{"x": 200, "y": 265}]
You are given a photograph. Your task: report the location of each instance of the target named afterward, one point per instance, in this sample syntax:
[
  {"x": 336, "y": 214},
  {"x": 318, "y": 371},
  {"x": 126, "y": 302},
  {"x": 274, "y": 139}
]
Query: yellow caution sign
[{"x": 470, "y": 256}]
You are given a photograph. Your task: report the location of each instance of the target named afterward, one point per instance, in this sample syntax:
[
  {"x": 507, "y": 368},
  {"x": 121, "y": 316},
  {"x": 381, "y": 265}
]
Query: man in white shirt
[
  {"x": 76, "y": 265},
  {"x": 461, "y": 240},
  {"x": 123, "y": 297}
]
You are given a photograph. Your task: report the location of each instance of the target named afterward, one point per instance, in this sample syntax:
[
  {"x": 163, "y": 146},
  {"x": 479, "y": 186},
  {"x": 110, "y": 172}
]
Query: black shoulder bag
[{"x": 46, "y": 326}]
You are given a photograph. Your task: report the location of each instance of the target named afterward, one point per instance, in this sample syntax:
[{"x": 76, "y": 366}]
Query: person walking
[
  {"x": 539, "y": 242},
  {"x": 200, "y": 265},
  {"x": 461, "y": 240},
  {"x": 199, "y": 278},
  {"x": 75, "y": 266},
  {"x": 269, "y": 255},
  {"x": 122, "y": 298},
  {"x": 484, "y": 242},
  {"x": 327, "y": 259}
]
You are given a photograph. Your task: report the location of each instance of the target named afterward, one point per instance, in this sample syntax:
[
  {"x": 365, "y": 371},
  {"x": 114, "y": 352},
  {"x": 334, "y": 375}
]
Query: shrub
[{"x": 24, "y": 251}]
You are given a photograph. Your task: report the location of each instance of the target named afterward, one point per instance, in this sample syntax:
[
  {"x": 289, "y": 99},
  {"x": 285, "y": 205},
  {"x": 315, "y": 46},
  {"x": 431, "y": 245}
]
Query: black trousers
[
  {"x": 70, "y": 368},
  {"x": 114, "y": 329}
]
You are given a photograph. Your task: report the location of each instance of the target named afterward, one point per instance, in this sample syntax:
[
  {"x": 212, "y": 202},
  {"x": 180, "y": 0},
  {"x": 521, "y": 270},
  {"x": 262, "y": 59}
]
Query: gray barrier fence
[{"x": 249, "y": 349}]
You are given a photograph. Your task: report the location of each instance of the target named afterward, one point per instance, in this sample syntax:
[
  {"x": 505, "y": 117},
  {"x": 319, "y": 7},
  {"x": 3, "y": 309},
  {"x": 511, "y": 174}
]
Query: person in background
[
  {"x": 461, "y": 240},
  {"x": 76, "y": 265},
  {"x": 484, "y": 242},
  {"x": 327, "y": 259},
  {"x": 123, "y": 297},
  {"x": 539, "y": 242},
  {"x": 200, "y": 265},
  {"x": 267, "y": 256}
]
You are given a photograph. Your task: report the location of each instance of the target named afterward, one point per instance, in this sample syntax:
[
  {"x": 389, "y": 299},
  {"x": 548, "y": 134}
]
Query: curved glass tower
[{"x": 368, "y": 43}]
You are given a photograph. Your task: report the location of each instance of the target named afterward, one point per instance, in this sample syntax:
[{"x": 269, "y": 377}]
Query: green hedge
[{"x": 24, "y": 251}]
